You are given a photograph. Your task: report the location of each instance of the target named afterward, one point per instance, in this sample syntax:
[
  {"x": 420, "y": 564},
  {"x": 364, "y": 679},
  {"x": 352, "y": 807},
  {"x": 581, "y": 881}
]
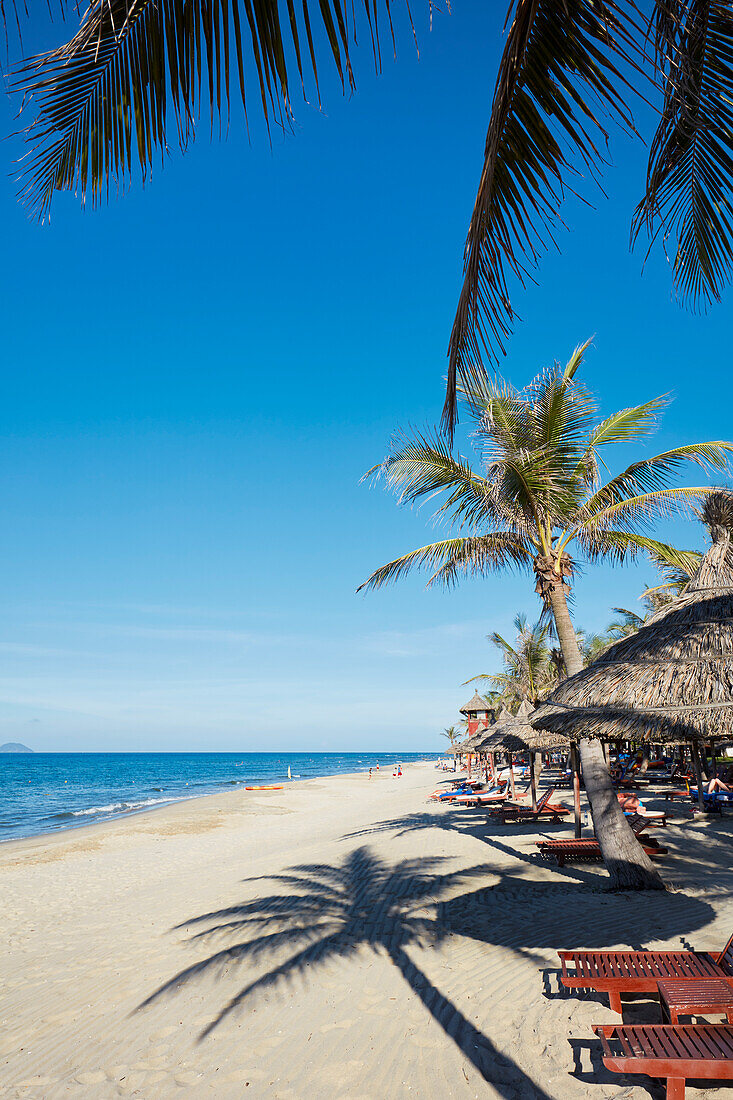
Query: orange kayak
[{"x": 270, "y": 788}]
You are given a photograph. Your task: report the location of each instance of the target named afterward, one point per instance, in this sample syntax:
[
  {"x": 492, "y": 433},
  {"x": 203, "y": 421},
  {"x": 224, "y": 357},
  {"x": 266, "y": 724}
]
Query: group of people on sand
[{"x": 396, "y": 774}]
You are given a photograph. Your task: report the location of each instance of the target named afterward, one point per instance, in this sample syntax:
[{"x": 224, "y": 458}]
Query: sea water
[{"x": 43, "y": 792}]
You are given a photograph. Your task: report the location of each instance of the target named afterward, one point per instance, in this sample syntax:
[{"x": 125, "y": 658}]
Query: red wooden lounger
[
  {"x": 488, "y": 799},
  {"x": 588, "y": 847},
  {"x": 513, "y": 811},
  {"x": 617, "y": 972},
  {"x": 674, "y": 1051}
]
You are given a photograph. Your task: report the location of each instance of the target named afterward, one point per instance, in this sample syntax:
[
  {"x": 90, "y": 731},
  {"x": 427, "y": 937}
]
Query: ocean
[{"x": 44, "y": 792}]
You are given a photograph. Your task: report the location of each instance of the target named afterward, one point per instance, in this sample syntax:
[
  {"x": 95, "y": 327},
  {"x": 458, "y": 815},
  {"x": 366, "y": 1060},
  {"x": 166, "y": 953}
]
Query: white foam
[{"x": 122, "y": 807}]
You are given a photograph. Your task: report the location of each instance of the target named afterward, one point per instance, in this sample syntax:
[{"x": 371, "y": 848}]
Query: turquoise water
[{"x": 43, "y": 792}]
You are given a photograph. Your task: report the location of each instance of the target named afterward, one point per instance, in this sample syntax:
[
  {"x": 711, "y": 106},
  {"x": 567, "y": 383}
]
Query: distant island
[{"x": 14, "y": 746}]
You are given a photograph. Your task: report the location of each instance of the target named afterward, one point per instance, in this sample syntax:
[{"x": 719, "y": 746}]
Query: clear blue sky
[{"x": 196, "y": 377}]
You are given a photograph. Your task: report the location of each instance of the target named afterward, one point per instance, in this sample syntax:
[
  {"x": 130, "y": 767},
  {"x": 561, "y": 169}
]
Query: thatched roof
[
  {"x": 673, "y": 679},
  {"x": 469, "y": 745},
  {"x": 513, "y": 733},
  {"x": 473, "y": 706}
]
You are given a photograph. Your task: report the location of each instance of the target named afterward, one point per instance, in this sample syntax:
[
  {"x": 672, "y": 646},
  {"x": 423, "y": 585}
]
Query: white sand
[{"x": 410, "y": 956}]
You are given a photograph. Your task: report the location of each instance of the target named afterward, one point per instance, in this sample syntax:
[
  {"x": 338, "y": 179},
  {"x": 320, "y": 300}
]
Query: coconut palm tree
[
  {"x": 452, "y": 733},
  {"x": 529, "y": 669},
  {"x": 137, "y": 73},
  {"x": 539, "y": 495}
]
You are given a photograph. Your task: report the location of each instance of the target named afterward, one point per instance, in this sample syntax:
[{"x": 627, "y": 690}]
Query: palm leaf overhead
[
  {"x": 103, "y": 100},
  {"x": 690, "y": 171},
  {"x": 558, "y": 85},
  {"x": 107, "y": 103}
]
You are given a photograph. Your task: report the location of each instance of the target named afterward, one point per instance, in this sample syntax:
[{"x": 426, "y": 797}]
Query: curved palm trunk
[{"x": 627, "y": 863}]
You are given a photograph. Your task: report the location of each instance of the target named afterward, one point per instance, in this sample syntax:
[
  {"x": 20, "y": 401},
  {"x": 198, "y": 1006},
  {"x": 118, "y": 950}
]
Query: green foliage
[
  {"x": 108, "y": 101},
  {"x": 539, "y": 490},
  {"x": 134, "y": 78},
  {"x": 529, "y": 667},
  {"x": 566, "y": 74}
]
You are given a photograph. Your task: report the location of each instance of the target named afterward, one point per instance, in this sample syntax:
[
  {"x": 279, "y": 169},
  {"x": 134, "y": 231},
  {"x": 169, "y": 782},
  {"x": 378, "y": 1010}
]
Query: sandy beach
[{"x": 340, "y": 938}]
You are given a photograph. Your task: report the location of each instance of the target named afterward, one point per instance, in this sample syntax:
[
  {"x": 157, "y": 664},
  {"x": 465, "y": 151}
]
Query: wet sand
[{"x": 340, "y": 938}]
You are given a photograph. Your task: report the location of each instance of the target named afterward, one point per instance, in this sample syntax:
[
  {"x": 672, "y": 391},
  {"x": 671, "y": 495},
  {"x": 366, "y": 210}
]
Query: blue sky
[{"x": 197, "y": 375}]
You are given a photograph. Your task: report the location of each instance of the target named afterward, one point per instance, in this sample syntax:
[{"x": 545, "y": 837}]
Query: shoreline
[
  {"x": 163, "y": 804},
  {"x": 167, "y": 811}
]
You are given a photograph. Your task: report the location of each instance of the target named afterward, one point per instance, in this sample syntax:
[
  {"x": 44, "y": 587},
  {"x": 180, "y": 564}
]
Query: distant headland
[{"x": 14, "y": 746}]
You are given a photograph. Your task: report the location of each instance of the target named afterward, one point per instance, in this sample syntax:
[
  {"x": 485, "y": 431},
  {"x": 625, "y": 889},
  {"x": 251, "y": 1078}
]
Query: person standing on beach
[{"x": 370, "y": 773}]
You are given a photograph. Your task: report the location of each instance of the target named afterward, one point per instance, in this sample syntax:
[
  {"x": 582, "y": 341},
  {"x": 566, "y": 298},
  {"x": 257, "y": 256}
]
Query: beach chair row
[{"x": 688, "y": 983}]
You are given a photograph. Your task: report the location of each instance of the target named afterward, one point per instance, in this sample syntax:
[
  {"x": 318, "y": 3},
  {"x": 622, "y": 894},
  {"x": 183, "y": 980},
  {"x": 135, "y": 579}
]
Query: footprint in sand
[
  {"x": 341, "y": 1025},
  {"x": 188, "y": 1077},
  {"x": 95, "y": 1077},
  {"x": 132, "y": 1082},
  {"x": 164, "y": 1033}
]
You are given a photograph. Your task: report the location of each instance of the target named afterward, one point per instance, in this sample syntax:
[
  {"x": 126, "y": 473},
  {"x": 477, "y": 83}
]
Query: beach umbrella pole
[
  {"x": 698, "y": 774},
  {"x": 533, "y": 780},
  {"x": 511, "y": 776},
  {"x": 576, "y": 788}
]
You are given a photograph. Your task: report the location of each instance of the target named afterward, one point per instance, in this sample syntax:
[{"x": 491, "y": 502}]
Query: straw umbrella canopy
[
  {"x": 516, "y": 734},
  {"x": 671, "y": 681}
]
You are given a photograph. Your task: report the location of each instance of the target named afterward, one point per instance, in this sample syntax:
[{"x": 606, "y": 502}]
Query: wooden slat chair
[
  {"x": 617, "y": 972},
  {"x": 477, "y": 798},
  {"x": 673, "y": 1051},
  {"x": 512, "y": 811},
  {"x": 588, "y": 848}
]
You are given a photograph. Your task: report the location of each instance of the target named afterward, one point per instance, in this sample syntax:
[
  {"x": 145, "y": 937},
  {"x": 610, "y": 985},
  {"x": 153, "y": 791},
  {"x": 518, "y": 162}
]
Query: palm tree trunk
[{"x": 628, "y": 865}]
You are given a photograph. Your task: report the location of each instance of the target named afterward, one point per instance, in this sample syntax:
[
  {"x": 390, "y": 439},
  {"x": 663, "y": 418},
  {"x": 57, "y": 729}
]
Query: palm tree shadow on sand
[{"x": 333, "y": 911}]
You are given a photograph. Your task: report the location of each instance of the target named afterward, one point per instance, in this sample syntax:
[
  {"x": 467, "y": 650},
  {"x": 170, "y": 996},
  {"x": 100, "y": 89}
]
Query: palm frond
[
  {"x": 103, "y": 101},
  {"x": 558, "y": 82},
  {"x": 652, "y": 475},
  {"x": 629, "y": 425},
  {"x": 421, "y": 467},
  {"x": 622, "y": 546},
  {"x": 483, "y": 554},
  {"x": 471, "y": 555},
  {"x": 671, "y": 560},
  {"x": 690, "y": 172}
]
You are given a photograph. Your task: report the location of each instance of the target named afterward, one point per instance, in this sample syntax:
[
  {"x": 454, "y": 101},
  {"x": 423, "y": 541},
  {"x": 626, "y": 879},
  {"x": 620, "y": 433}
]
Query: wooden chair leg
[
  {"x": 675, "y": 1088},
  {"x": 614, "y": 1000}
]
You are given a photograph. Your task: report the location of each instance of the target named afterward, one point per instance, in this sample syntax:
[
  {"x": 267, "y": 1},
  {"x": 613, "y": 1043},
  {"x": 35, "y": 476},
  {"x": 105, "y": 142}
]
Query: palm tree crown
[
  {"x": 529, "y": 667},
  {"x": 540, "y": 492}
]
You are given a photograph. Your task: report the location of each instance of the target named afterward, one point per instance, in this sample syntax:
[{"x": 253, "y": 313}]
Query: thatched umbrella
[
  {"x": 673, "y": 679},
  {"x": 516, "y": 734},
  {"x": 491, "y": 740}
]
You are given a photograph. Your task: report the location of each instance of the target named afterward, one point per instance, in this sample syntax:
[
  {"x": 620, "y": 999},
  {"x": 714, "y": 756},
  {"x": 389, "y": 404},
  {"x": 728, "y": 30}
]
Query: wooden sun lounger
[
  {"x": 588, "y": 848},
  {"x": 512, "y": 811},
  {"x": 617, "y": 972},
  {"x": 487, "y": 799},
  {"x": 674, "y": 1051},
  {"x": 571, "y": 851}
]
